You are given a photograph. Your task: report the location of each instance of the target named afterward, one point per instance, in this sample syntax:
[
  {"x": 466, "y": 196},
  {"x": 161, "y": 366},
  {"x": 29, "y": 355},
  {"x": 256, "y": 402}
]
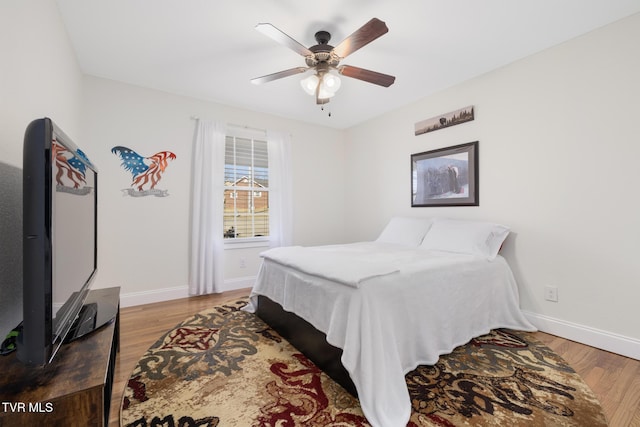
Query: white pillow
[
  {"x": 465, "y": 237},
  {"x": 405, "y": 231}
]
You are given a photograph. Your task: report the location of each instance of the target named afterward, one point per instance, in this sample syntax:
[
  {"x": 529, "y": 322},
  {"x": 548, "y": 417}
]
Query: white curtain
[
  {"x": 206, "y": 273},
  {"x": 280, "y": 189}
]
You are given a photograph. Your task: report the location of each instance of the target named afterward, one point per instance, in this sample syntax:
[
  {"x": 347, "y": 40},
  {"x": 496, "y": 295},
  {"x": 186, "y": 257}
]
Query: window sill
[{"x": 251, "y": 242}]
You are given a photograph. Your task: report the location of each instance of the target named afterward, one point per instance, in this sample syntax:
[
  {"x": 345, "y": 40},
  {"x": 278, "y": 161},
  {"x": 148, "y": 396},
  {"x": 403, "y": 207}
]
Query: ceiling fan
[{"x": 323, "y": 58}]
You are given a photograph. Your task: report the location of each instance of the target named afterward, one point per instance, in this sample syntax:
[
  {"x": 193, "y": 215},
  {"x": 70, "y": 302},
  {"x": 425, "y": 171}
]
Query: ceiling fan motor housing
[
  {"x": 322, "y": 52},
  {"x": 323, "y": 37}
]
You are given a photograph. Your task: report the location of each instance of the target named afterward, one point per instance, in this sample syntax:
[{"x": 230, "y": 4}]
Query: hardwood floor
[{"x": 614, "y": 379}]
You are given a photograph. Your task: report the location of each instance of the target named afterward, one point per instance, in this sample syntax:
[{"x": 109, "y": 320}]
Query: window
[{"x": 246, "y": 188}]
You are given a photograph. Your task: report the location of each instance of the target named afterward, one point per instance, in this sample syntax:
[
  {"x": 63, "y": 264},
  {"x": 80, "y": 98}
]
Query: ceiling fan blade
[
  {"x": 282, "y": 38},
  {"x": 366, "y": 75},
  {"x": 361, "y": 37},
  {"x": 278, "y": 75}
]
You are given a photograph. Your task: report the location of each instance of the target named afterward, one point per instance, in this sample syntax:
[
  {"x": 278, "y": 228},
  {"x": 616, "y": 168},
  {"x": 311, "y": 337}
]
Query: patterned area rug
[{"x": 225, "y": 367}]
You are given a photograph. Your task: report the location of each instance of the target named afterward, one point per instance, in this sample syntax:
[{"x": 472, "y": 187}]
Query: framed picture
[
  {"x": 453, "y": 118},
  {"x": 445, "y": 177}
]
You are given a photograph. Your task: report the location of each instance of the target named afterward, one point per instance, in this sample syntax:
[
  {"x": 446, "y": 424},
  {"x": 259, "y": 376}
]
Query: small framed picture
[
  {"x": 445, "y": 177},
  {"x": 453, "y": 118}
]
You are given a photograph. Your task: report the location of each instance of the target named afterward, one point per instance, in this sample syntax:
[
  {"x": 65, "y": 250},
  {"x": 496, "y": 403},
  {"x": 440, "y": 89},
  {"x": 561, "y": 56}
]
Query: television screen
[
  {"x": 73, "y": 230},
  {"x": 60, "y": 241}
]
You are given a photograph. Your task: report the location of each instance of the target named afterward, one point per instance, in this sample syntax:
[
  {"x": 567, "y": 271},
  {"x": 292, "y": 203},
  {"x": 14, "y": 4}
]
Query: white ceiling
[{"x": 208, "y": 49}]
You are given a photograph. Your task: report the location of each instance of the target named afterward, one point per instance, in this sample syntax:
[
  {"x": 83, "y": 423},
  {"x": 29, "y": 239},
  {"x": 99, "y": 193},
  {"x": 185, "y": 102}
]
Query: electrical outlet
[
  {"x": 551, "y": 293},
  {"x": 243, "y": 263}
]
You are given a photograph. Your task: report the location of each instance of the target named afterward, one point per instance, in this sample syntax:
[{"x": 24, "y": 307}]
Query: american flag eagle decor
[
  {"x": 145, "y": 171},
  {"x": 70, "y": 170}
]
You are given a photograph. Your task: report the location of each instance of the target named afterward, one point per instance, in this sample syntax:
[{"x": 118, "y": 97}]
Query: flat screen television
[{"x": 60, "y": 196}]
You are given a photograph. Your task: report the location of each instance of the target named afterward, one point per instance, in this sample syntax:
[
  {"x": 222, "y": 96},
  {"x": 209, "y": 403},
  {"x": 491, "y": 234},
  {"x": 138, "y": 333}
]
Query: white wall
[
  {"x": 559, "y": 146},
  {"x": 39, "y": 76},
  {"x": 144, "y": 242}
]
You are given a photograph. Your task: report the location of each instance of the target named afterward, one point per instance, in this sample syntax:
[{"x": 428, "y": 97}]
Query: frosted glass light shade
[
  {"x": 324, "y": 93},
  {"x": 331, "y": 82},
  {"x": 326, "y": 85},
  {"x": 310, "y": 84}
]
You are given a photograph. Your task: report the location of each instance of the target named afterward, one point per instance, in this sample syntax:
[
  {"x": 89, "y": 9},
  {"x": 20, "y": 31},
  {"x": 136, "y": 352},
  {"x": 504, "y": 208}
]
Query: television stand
[
  {"x": 98, "y": 310},
  {"x": 75, "y": 388},
  {"x": 85, "y": 322}
]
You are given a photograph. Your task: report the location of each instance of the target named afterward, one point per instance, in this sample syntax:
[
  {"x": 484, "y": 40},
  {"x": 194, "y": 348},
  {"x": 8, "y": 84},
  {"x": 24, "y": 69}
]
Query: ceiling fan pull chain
[{"x": 322, "y": 109}]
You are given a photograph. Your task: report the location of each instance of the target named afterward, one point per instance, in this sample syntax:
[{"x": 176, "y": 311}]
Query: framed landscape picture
[
  {"x": 453, "y": 118},
  {"x": 445, "y": 177}
]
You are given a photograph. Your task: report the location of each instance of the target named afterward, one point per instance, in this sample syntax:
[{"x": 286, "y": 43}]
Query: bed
[{"x": 424, "y": 287}]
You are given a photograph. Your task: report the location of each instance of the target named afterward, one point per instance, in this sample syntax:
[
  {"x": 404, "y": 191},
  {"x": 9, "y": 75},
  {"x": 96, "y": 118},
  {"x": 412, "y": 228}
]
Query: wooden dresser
[{"x": 74, "y": 389}]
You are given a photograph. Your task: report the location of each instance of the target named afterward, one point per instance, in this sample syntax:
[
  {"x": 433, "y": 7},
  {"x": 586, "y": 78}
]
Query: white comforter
[{"x": 412, "y": 307}]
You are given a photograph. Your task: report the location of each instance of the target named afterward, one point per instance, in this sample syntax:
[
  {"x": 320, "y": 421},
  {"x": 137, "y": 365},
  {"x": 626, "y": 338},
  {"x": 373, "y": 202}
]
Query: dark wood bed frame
[{"x": 307, "y": 339}]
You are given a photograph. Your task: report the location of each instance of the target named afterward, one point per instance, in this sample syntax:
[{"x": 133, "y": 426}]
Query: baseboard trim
[
  {"x": 167, "y": 294},
  {"x": 238, "y": 283},
  {"x": 615, "y": 343},
  {"x": 131, "y": 299}
]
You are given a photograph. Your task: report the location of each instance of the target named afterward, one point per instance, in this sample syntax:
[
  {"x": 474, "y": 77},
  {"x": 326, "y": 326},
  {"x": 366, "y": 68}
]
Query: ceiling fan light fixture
[
  {"x": 324, "y": 93},
  {"x": 309, "y": 84},
  {"x": 331, "y": 82}
]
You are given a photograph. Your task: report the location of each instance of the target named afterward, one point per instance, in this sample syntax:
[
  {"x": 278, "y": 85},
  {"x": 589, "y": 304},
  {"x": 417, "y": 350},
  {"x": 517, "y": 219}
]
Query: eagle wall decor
[
  {"x": 70, "y": 170},
  {"x": 145, "y": 171}
]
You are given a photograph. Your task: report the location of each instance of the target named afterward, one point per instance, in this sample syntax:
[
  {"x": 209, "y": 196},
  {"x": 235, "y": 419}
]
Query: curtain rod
[
  {"x": 237, "y": 126},
  {"x": 246, "y": 127}
]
